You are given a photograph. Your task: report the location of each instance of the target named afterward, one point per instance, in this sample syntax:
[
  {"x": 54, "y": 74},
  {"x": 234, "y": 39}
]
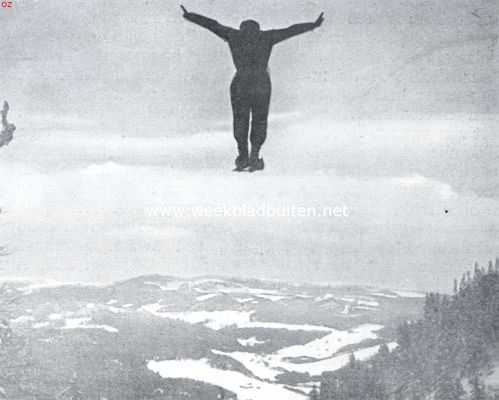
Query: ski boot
[
  {"x": 241, "y": 162},
  {"x": 255, "y": 163}
]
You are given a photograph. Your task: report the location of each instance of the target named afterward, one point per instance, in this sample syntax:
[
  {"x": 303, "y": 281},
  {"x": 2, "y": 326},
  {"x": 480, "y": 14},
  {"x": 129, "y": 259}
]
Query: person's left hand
[
  {"x": 184, "y": 10},
  {"x": 318, "y": 22}
]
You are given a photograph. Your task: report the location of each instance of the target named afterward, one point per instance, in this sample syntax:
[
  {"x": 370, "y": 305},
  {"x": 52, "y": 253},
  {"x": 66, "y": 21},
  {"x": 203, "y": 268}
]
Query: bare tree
[
  {"x": 12, "y": 346},
  {"x": 7, "y": 132},
  {"x": 6, "y": 136}
]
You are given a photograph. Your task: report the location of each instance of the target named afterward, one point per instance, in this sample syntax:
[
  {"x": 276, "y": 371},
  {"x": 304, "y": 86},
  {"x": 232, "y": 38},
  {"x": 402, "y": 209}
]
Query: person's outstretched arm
[
  {"x": 208, "y": 23},
  {"x": 278, "y": 35}
]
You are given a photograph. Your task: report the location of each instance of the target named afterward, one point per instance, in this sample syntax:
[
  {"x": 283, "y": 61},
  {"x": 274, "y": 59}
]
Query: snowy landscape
[
  {"x": 251, "y": 339},
  {"x": 149, "y": 269}
]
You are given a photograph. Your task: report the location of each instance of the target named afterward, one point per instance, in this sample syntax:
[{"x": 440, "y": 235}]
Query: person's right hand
[
  {"x": 184, "y": 10},
  {"x": 318, "y": 22}
]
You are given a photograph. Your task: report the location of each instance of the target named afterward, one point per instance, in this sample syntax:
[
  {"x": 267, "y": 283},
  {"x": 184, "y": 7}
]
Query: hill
[{"x": 157, "y": 337}]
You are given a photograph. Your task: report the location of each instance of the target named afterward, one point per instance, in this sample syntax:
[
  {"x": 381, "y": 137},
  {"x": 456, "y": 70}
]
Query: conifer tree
[
  {"x": 449, "y": 389},
  {"x": 477, "y": 389},
  {"x": 314, "y": 394},
  {"x": 453, "y": 341}
]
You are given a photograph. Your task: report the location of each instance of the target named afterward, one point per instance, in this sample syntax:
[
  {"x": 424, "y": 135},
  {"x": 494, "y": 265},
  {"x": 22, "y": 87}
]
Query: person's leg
[
  {"x": 260, "y": 112},
  {"x": 241, "y": 115}
]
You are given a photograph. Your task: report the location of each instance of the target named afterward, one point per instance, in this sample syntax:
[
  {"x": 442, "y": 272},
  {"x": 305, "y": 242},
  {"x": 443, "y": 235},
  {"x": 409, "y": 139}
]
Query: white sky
[{"x": 389, "y": 109}]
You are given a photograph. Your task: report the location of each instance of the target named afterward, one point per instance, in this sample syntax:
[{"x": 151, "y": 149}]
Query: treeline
[{"x": 444, "y": 356}]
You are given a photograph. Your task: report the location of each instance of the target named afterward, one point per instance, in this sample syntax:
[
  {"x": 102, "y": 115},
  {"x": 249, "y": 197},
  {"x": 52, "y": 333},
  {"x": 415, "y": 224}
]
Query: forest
[{"x": 448, "y": 354}]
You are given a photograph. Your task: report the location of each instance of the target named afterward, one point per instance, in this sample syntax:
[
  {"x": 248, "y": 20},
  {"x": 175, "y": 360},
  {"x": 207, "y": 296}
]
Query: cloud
[
  {"x": 94, "y": 218},
  {"x": 455, "y": 150}
]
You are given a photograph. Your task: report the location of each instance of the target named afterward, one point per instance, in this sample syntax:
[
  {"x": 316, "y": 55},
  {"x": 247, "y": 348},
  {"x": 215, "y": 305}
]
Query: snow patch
[
  {"x": 323, "y": 350},
  {"x": 387, "y": 295},
  {"x": 170, "y": 286},
  {"x": 217, "y": 320},
  {"x": 233, "y": 288},
  {"x": 331, "y": 343},
  {"x": 250, "y": 342},
  {"x": 45, "y": 284},
  {"x": 289, "y": 327},
  {"x": 116, "y": 310},
  {"x": 245, "y": 300},
  {"x": 369, "y": 303},
  {"x": 327, "y": 296},
  {"x": 271, "y": 297},
  {"x": 365, "y": 308},
  {"x": 348, "y": 299},
  {"x": 244, "y": 387},
  {"x": 303, "y": 296},
  {"x": 22, "y": 319},
  {"x": 409, "y": 294},
  {"x": 207, "y": 296},
  {"x": 39, "y": 325},
  {"x": 82, "y": 323},
  {"x": 268, "y": 367}
]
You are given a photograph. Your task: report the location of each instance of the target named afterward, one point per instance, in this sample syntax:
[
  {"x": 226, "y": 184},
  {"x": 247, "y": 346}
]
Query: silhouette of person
[{"x": 251, "y": 87}]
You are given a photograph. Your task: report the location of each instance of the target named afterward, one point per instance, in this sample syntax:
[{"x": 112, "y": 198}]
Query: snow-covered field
[
  {"x": 266, "y": 368},
  {"x": 246, "y": 388},
  {"x": 221, "y": 286},
  {"x": 217, "y": 320},
  {"x": 219, "y": 304},
  {"x": 315, "y": 357},
  {"x": 323, "y": 351},
  {"x": 324, "y": 354},
  {"x": 331, "y": 343},
  {"x": 69, "y": 318}
]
